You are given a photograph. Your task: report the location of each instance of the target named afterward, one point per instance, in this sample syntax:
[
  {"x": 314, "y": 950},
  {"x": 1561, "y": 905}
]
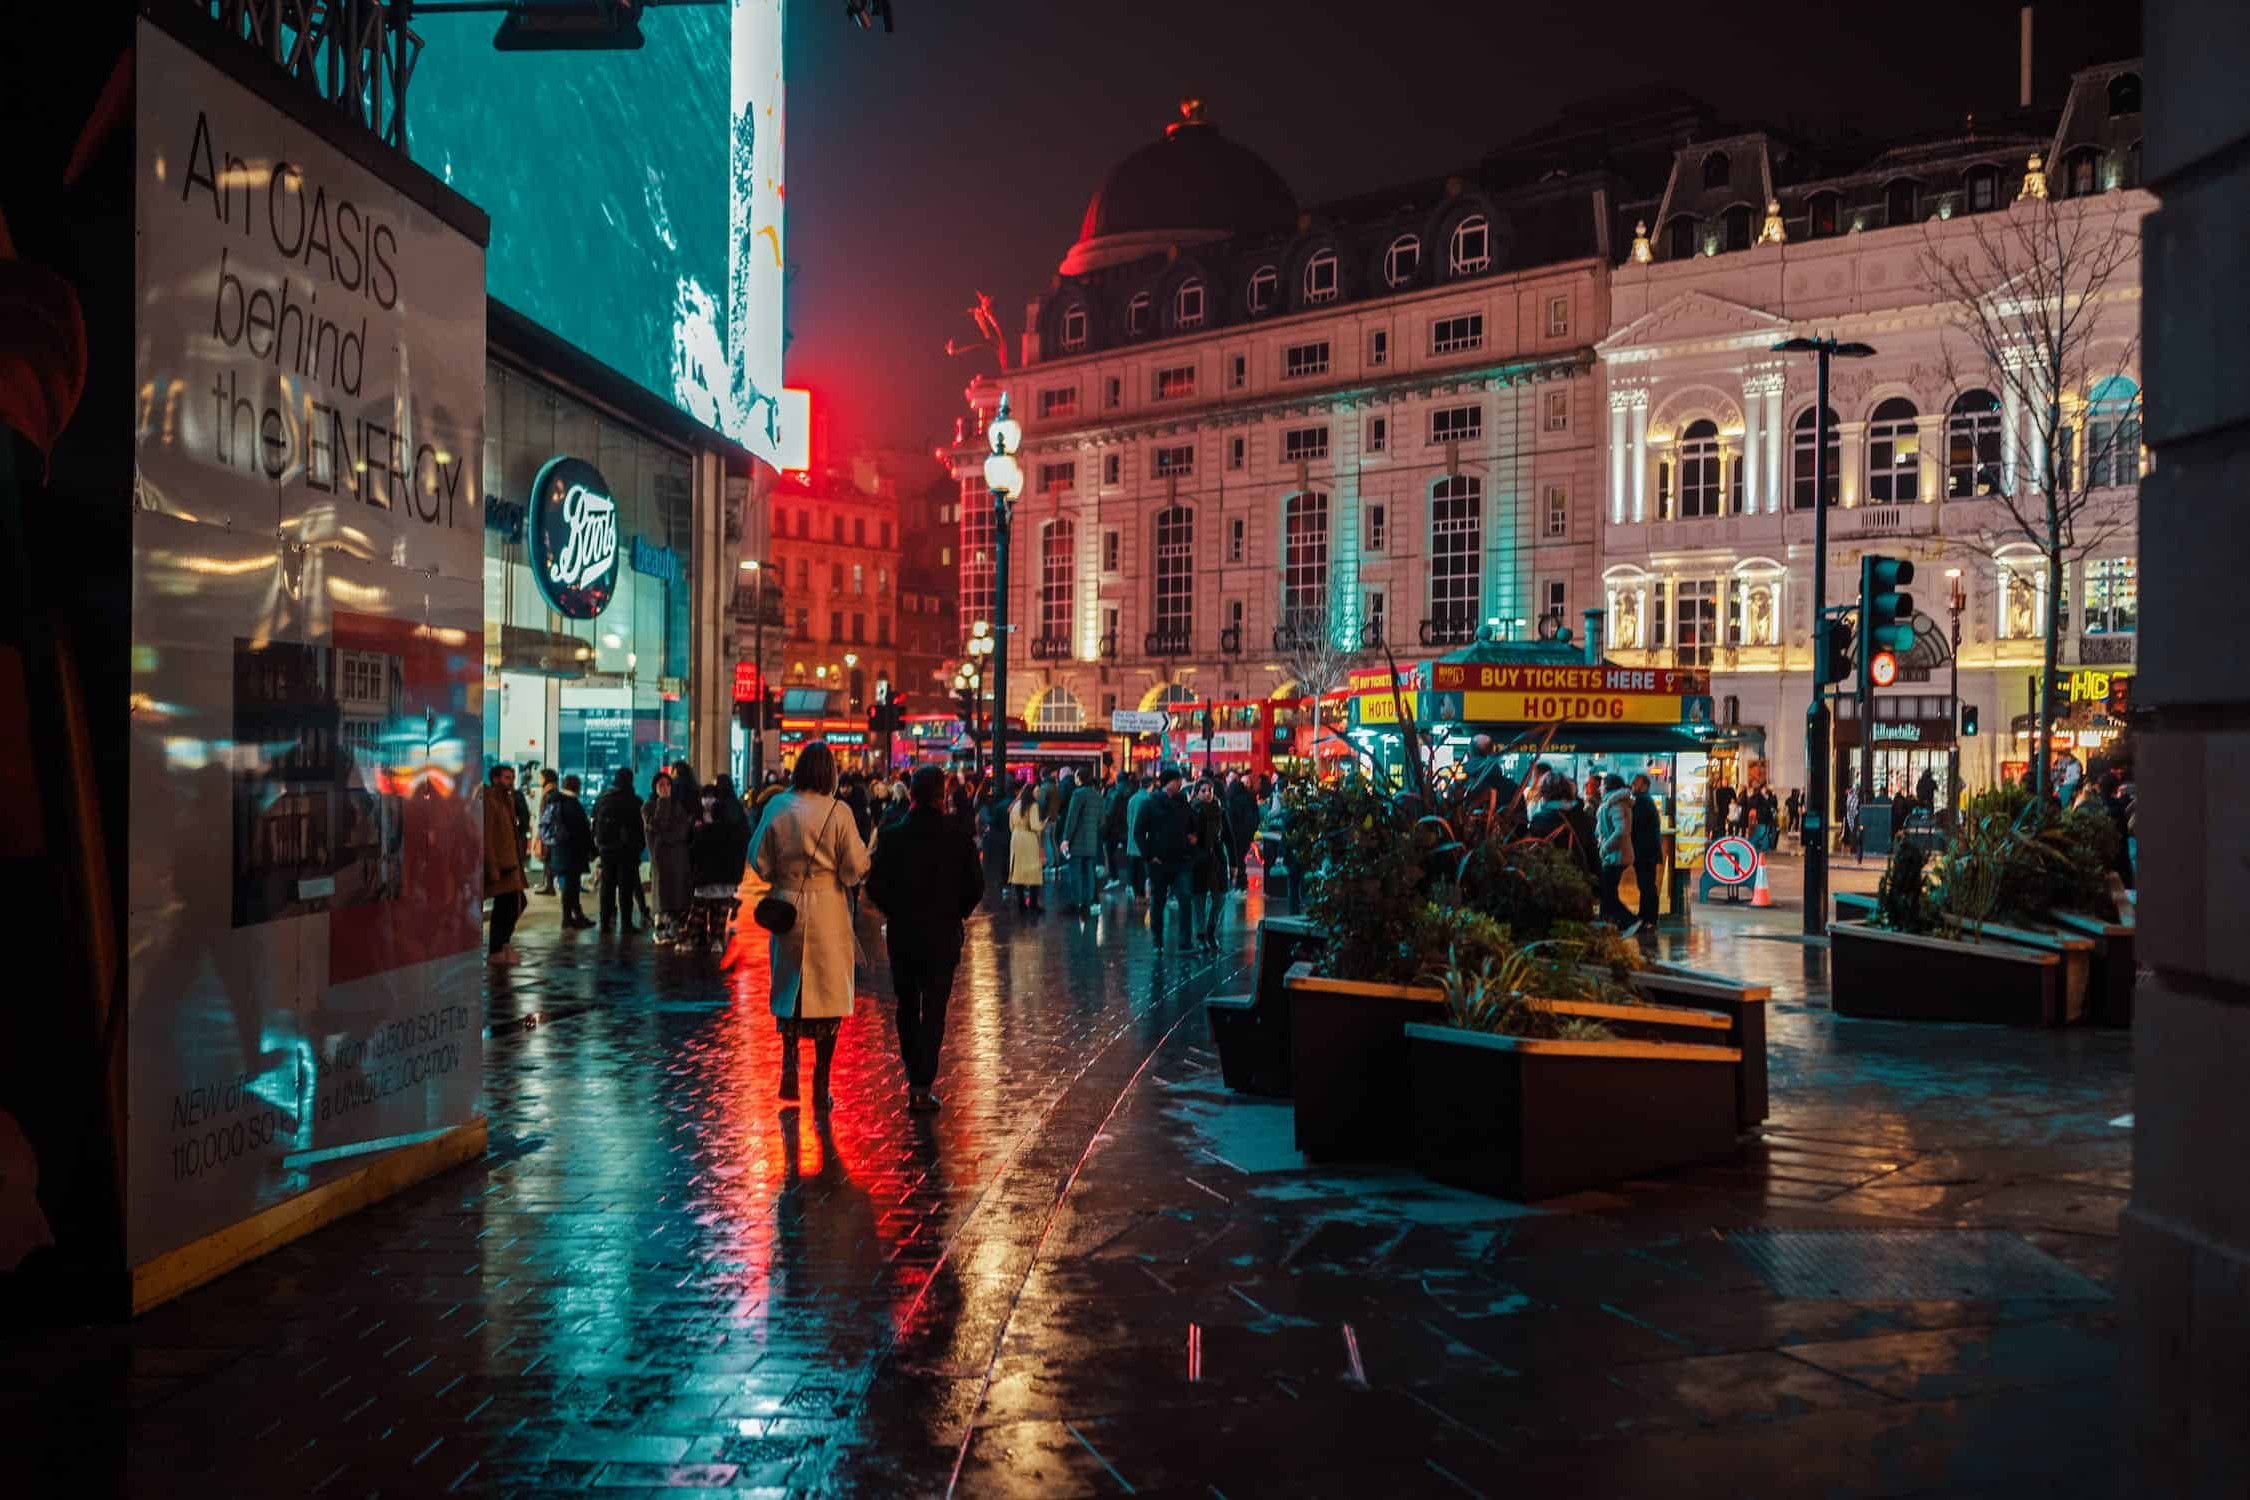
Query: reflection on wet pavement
[{"x": 1095, "y": 1271}]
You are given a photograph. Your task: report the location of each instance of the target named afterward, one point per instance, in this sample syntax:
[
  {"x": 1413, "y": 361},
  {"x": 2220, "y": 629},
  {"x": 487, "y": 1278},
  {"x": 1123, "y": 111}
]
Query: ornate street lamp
[{"x": 1003, "y": 476}]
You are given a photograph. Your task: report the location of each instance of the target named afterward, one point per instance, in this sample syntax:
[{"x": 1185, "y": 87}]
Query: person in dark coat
[
  {"x": 618, "y": 843},
  {"x": 1242, "y": 829},
  {"x": 570, "y": 849},
  {"x": 1165, "y": 833},
  {"x": 718, "y": 849},
  {"x": 667, "y": 820},
  {"x": 1648, "y": 849},
  {"x": 992, "y": 836},
  {"x": 926, "y": 880},
  {"x": 1114, "y": 806},
  {"x": 1214, "y": 855},
  {"x": 1561, "y": 820}
]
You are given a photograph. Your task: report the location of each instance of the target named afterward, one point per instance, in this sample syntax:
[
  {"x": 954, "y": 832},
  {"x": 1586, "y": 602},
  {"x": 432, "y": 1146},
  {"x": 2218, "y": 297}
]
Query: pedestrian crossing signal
[{"x": 1968, "y": 720}]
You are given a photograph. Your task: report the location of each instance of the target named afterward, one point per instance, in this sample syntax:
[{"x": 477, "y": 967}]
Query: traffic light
[
  {"x": 1886, "y": 610},
  {"x": 570, "y": 26},
  {"x": 1832, "y": 652},
  {"x": 1968, "y": 720}
]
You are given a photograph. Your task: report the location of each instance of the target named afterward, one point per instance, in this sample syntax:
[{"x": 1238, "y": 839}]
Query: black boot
[
  {"x": 824, "y": 1053},
  {"x": 789, "y": 1062}
]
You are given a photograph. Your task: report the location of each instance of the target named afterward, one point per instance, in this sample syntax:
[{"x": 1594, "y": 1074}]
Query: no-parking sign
[{"x": 1730, "y": 861}]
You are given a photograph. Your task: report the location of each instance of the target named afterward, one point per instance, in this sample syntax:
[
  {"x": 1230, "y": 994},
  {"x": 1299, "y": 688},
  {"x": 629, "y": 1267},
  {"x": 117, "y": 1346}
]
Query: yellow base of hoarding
[{"x": 182, "y": 1270}]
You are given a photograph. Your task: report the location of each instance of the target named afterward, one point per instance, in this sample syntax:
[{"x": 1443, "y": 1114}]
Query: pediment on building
[{"x": 1692, "y": 317}]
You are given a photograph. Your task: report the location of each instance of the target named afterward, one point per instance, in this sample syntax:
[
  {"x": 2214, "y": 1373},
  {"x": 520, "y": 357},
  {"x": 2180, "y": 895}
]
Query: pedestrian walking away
[
  {"x": 618, "y": 843},
  {"x": 1115, "y": 820},
  {"x": 1136, "y": 861},
  {"x": 1212, "y": 856},
  {"x": 926, "y": 880},
  {"x": 1080, "y": 842},
  {"x": 1613, "y": 833},
  {"x": 1027, "y": 855},
  {"x": 1648, "y": 850},
  {"x": 1241, "y": 807},
  {"x": 570, "y": 850},
  {"x": 1167, "y": 842},
  {"x": 503, "y": 861},
  {"x": 667, "y": 822},
  {"x": 810, "y": 856}
]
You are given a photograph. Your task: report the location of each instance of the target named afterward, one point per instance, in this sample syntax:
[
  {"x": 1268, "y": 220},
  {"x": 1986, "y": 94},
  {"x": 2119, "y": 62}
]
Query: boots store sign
[{"x": 574, "y": 538}]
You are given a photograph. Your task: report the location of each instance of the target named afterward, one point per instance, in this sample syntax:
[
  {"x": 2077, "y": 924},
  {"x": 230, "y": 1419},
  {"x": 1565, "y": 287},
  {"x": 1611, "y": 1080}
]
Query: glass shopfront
[
  {"x": 586, "y": 589},
  {"x": 1913, "y": 734}
]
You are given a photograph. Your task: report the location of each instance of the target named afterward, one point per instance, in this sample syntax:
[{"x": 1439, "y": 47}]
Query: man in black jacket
[
  {"x": 1242, "y": 826},
  {"x": 926, "y": 879},
  {"x": 1168, "y": 844},
  {"x": 619, "y": 840},
  {"x": 1648, "y": 848}
]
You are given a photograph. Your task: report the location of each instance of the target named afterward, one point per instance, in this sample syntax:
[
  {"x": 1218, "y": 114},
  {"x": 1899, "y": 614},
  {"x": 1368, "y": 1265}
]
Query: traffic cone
[{"x": 1760, "y": 895}]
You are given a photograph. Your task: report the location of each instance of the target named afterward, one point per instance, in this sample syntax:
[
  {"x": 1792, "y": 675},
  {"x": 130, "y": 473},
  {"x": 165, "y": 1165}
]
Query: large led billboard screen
[{"x": 636, "y": 196}]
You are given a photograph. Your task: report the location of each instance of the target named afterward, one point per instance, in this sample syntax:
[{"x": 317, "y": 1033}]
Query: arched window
[
  {"x": 1894, "y": 454},
  {"x": 1174, "y": 611},
  {"x": 2125, "y": 95},
  {"x": 1821, "y": 215},
  {"x": 1972, "y": 446},
  {"x": 1187, "y": 303},
  {"x": 1456, "y": 557},
  {"x": 1900, "y": 200},
  {"x": 1059, "y": 709},
  {"x": 1742, "y": 226},
  {"x": 1402, "y": 260},
  {"x": 2113, "y": 433},
  {"x": 1058, "y": 577},
  {"x": 1136, "y": 314},
  {"x": 1264, "y": 283},
  {"x": 1804, "y": 435},
  {"x": 1715, "y": 168},
  {"x": 1472, "y": 246},
  {"x": 1980, "y": 189},
  {"x": 1304, "y": 566},
  {"x": 1699, "y": 470},
  {"x": 2082, "y": 172},
  {"x": 1680, "y": 238},
  {"x": 1074, "y": 327},
  {"x": 1320, "y": 278}
]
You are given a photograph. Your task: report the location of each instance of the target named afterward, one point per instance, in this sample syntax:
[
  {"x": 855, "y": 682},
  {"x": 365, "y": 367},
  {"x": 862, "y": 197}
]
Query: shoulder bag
[{"x": 776, "y": 915}]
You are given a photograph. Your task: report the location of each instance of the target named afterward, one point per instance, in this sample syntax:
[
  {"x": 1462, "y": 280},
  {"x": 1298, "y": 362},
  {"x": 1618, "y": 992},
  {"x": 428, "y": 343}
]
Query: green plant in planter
[
  {"x": 1903, "y": 902},
  {"x": 1527, "y": 886},
  {"x": 1509, "y": 994}
]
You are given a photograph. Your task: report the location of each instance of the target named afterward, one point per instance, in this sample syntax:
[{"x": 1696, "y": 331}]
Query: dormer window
[
  {"x": 1074, "y": 328},
  {"x": 1900, "y": 200},
  {"x": 1320, "y": 277},
  {"x": 2125, "y": 95},
  {"x": 1472, "y": 246},
  {"x": 1187, "y": 303},
  {"x": 1715, "y": 170},
  {"x": 1741, "y": 226},
  {"x": 1136, "y": 314},
  {"x": 1820, "y": 216},
  {"x": 1402, "y": 260},
  {"x": 1682, "y": 239},
  {"x": 1983, "y": 184},
  {"x": 1265, "y": 284}
]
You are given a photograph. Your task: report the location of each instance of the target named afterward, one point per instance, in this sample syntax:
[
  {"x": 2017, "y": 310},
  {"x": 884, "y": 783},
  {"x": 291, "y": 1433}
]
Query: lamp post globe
[{"x": 1003, "y": 476}]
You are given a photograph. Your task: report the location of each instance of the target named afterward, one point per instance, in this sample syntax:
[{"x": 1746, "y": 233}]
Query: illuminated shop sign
[
  {"x": 660, "y": 563},
  {"x": 574, "y": 538}
]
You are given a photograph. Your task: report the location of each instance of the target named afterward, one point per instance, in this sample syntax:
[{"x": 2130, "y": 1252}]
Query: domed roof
[{"x": 1192, "y": 186}]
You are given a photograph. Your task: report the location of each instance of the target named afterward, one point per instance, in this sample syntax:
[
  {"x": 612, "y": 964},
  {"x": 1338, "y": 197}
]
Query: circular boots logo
[{"x": 574, "y": 538}]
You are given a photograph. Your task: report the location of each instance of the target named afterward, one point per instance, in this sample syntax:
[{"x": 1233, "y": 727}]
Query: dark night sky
[{"x": 958, "y": 153}]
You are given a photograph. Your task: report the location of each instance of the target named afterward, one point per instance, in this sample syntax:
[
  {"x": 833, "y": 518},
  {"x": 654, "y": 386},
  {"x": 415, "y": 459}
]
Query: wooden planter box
[
  {"x": 1744, "y": 1006},
  {"x": 1347, "y": 1063},
  {"x": 2077, "y": 953},
  {"x": 1252, "y": 1031},
  {"x": 1530, "y": 1119},
  {"x": 1900, "y": 976},
  {"x": 2114, "y": 971}
]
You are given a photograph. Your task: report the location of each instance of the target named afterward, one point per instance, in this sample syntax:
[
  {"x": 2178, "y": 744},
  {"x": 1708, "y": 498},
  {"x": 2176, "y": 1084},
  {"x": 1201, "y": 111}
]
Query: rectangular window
[
  {"x": 1238, "y": 372},
  {"x": 1379, "y": 347},
  {"x": 1378, "y": 610},
  {"x": 1457, "y": 424},
  {"x": 859, "y": 578},
  {"x": 1175, "y": 383},
  {"x": 1178, "y": 459},
  {"x": 1238, "y": 535},
  {"x": 1060, "y": 401},
  {"x": 1113, "y": 547},
  {"x": 1238, "y": 452},
  {"x": 1558, "y": 411},
  {"x": 1694, "y": 628},
  {"x": 1378, "y": 434},
  {"x": 835, "y": 528},
  {"x": 1051, "y": 477},
  {"x": 1304, "y": 444},
  {"x": 859, "y": 531},
  {"x": 804, "y": 624},
  {"x": 1300, "y": 360},
  {"x": 1456, "y": 558},
  {"x": 835, "y": 625},
  {"x": 2113, "y": 596},
  {"x": 1113, "y": 468},
  {"x": 1457, "y": 335},
  {"x": 1378, "y": 529},
  {"x": 859, "y": 629},
  {"x": 886, "y": 534},
  {"x": 835, "y": 578},
  {"x": 1109, "y": 625},
  {"x": 1113, "y": 392},
  {"x": 804, "y": 576},
  {"x": 1557, "y": 596},
  {"x": 1558, "y": 317},
  {"x": 1175, "y": 574},
  {"x": 1558, "y": 511}
]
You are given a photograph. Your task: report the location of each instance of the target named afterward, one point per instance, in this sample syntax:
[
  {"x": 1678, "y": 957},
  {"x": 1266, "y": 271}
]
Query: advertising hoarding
[
  {"x": 303, "y": 985},
  {"x": 640, "y": 195}
]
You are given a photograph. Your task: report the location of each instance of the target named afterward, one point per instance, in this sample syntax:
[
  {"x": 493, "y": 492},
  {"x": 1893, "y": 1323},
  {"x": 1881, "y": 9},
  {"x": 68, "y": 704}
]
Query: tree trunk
[{"x": 2043, "y": 701}]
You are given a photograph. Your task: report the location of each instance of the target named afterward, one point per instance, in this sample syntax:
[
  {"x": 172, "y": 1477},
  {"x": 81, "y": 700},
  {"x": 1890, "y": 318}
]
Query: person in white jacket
[{"x": 1613, "y": 835}]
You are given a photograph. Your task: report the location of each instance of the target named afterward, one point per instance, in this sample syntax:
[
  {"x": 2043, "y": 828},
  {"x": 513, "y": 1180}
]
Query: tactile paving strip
[{"x": 1909, "y": 1265}]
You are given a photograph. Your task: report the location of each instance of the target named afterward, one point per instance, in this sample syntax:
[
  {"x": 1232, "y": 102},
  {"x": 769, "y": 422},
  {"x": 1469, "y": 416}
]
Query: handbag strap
[{"x": 818, "y": 839}]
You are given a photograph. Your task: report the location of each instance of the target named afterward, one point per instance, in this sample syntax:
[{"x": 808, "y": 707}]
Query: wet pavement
[{"x": 1098, "y": 1272}]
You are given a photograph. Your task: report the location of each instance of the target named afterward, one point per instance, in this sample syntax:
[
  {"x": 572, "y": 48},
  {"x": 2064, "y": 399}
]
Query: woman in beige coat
[
  {"x": 1027, "y": 853},
  {"x": 807, "y": 848}
]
